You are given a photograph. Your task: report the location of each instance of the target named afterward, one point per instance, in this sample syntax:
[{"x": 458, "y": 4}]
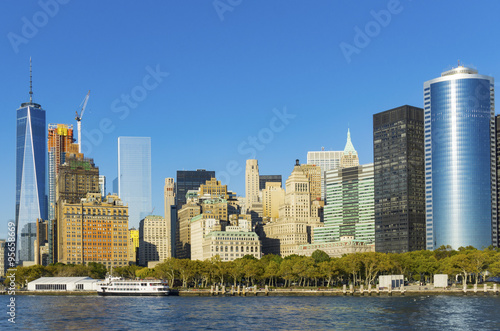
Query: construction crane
[{"x": 78, "y": 119}]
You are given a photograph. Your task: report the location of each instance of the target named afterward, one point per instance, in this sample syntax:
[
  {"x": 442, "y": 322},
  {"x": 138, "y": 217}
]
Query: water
[{"x": 254, "y": 313}]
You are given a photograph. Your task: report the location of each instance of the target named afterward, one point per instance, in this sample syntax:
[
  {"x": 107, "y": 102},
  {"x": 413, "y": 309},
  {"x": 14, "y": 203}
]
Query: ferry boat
[{"x": 120, "y": 287}]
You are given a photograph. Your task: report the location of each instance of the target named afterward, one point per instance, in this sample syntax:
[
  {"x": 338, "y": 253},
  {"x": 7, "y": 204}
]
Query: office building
[
  {"x": 399, "y": 180},
  {"x": 134, "y": 176},
  {"x": 326, "y": 160},
  {"x": 251, "y": 182},
  {"x": 263, "y": 179},
  {"x": 273, "y": 196},
  {"x": 133, "y": 245},
  {"x": 350, "y": 205},
  {"x": 496, "y": 229},
  {"x": 170, "y": 214},
  {"x": 460, "y": 161},
  {"x": 190, "y": 180},
  {"x": 102, "y": 185},
  {"x": 350, "y": 157},
  {"x": 183, "y": 231},
  {"x": 153, "y": 240},
  {"x": 59, "y": 142},
  {"x": 336, "y": 249},
  {"x": 31, "y": 199},
  {"x": 93, "y": 230}
]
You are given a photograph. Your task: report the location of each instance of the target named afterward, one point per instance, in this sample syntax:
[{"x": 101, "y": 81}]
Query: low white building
[
  {"x": 63, "y": 284},
  {"x": 441, "y": 280},
  {"x": 391, "y": 281}
]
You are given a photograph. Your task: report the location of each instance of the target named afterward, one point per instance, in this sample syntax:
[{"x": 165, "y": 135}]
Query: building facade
[
  {"x": 346, "y": 245},
  {"x": 188, "y": 180},
  {"x": 399, "y": 180},
  {"x": 31, "y": 199},
  {"x": 59, "y": 142},
  {"x": 326, "y": 160},
  {"x": 231, "y": 244},
  {"x": 350, "y": 205},
  {"x": 273, "y": 196},
  {"x": 93, "y": 230},
  {"x": 170, "y": 214},
  {"x": 102, "y": 185},
  {"x": 460, "y": 160},
  {"x": 153, "y": 240},
  {"x": 263, "y": 179},
  {"x": 134, "y": 176},
  {"x": 251, "y": 182},
  {"x": 350, "y": 157}
]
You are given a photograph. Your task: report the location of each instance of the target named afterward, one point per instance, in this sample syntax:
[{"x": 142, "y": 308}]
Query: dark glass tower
[
  {"x": 189, "y": 180},
  {"x": 31, "y": 199},
  {"x": 263, "y": 179},
  {"x": 398, "y": 152},
  {"x": 460, "y": 161}
]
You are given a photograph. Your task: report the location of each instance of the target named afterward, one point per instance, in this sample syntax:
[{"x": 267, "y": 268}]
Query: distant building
[
  {"x": 133, "y": 245},
  {"x": 496, "y": 229},
  {"x": 201, "y": 226},
  {"x": 134, "y": 176},
  {"x": 170, "y": 214},
  {"x": 263, "y": 179},
  {"x": 3, "y": 252},
  {"x": 183, "y": 232},
  {"x": 273, "y": 196},
  {"x": 398, "y": 152},
  {"x": 346, "y": 245},
  {"x": 326, "y": 160},
  {"x": 102, "y": 185},
  {"x": 93, "y": 230},
  {"x": 190, "y": 180},
  {"x": 252, "y": 182},
  {"x": 31, "y": 199},
  {"x": 153, "y": 240},
  {"x": 460, "y": 161},
  {"x": 63, "y": 284},
  {"x": 231, "y": 245},
  {"x": 350, "y": 205}
]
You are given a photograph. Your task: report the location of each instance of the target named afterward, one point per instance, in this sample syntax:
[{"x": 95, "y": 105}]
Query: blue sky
[{"x": 205, "y": 79}]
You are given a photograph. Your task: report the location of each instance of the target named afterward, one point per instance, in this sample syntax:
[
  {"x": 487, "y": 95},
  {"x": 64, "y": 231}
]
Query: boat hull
[{"x": 120, "y": 294}]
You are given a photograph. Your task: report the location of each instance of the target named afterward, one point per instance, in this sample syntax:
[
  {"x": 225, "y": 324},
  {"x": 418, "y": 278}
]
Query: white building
[
  {"x": 231, "y": 245},
  {"x": 63, "y": 284},
  {"x": 153, "y": 240}
]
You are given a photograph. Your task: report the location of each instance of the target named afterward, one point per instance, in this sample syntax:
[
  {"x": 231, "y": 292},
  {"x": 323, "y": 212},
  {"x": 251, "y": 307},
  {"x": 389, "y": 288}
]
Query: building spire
[
  {"x": 349, "y": 148},
  {"x": 31, "y": 85}
]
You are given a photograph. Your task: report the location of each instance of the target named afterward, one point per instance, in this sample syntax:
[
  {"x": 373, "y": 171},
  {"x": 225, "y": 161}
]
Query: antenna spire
[{"x": 31, "y": 85}]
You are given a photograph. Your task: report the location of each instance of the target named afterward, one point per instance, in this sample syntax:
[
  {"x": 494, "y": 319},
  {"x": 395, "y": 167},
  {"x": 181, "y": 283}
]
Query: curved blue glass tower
[{"x": 460, "y": 164}]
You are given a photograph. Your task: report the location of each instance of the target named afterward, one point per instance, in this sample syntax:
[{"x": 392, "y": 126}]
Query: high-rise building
[
  {"x": 350, "y": 205},
  {"x": 496, "y": 229},
  {"x": 93, "y": 230},
  {"x": 133, "y": 245},
  {"x": 273, "y": 196},
  {"x": 59, "y": 142},
  {"x": 170, "y": 214},
  {"x": 313, "y": 174},
  {"x": 350, "y": 157},
  {"x": 398, "y": 152},
  {"x": 213, "y": 189},
  {"x": 153, "y": 240},
  {"x": 326, "y": 160},
  {"x": 134, "y": 176},
  {"x": 102, "y": 185},
  {"x": 251, "y": 182},
  {"x": 460, "y": 161},
  {"x": 190, "y": 180},
  {"x": 31, "y": 199},
  {"x": 263, "y": 179}
]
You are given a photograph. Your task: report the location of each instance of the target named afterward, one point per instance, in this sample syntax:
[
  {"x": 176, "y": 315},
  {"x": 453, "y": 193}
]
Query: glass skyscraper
[
  {"x": 134, "y": 176},
  {"x": 460, "y": 162},
  {"x": 190, "y": 180},
  {"x": 31, "y": 199}
]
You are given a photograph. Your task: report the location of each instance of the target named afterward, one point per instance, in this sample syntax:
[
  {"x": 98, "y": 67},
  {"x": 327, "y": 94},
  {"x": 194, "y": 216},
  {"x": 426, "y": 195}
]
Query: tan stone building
[
  {"x": 251, "y": 182},
  {"x": 295, "y": 223},
  {"x": 213, "y": 189},
  {"x": 273, "y": 196},
  {"x": 346, "y": 245},
  {"x": 202, "y": 225},
  {"x": 183, "y": 235},
  {"x": 153, "y": 240},
  {"x": 231, "y": 244},
  {"x": 170, "y": 214},
  {"x": 93, "y": 231}
]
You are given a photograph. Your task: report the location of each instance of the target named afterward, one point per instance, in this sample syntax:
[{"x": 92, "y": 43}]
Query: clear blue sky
[{"x": 228, "y": 68}]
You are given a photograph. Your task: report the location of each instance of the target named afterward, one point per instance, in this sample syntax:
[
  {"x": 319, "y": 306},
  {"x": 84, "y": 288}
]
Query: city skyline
[{"x": 203, "y": 69}]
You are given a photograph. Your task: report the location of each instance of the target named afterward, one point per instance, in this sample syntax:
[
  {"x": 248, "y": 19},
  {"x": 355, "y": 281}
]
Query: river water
[{"x": 254, "y": 313}]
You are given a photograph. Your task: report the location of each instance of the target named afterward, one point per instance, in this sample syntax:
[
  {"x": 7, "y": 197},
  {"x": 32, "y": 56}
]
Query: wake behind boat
[{"x": 120, "y": 287}]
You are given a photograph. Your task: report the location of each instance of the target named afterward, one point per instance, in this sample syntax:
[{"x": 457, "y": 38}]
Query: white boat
[{"x": 120, "y": 287}]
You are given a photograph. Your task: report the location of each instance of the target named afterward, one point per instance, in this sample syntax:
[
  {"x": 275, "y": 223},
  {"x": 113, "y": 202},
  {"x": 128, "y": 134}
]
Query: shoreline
[{"x": 292, "y": 292}]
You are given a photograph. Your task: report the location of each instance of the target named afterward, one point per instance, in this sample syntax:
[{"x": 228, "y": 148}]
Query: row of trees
[{"x": 469, "y": 264}]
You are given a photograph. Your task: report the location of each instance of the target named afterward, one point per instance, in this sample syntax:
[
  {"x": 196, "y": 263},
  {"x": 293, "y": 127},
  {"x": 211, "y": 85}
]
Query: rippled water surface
[{"x": 255, "y": 313}]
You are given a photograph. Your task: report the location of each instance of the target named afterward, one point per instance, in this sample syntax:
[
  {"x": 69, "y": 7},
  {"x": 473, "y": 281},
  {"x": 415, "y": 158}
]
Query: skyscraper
[
  {"x": 263, "y": 179},
  {"x": 190, "y": 180},
  {"x": 398, "y": 152},
  {"x": 170, "y": 214},
  {"x": 350, "y": 157},
  {"x": 134, "y": 176},
  {"x": 59, "y": 141},
  {"x": 102, "y": 185},
  {"x": 460, "y": 162},
  {"x": 326, "y": 160},
  {"x": 251, "y": 183},
  {"x": 31, "y": 199}
]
